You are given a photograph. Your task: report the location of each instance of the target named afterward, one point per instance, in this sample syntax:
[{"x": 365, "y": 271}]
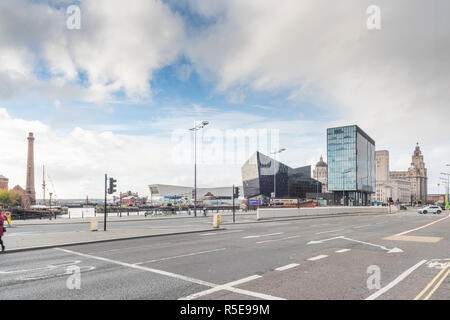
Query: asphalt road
[{"x": 353, "y": 257}]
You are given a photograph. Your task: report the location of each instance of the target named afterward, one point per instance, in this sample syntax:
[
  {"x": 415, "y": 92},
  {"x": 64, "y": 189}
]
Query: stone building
[
  {"x": 320, "y": 173},
  {"x": 387, "y": 189},
  {"x": 416, "y": 175},
  {"x": 401, "y": 190},
  {"x": 383, "y": 187},
  {"x": 3, "y": 182}
]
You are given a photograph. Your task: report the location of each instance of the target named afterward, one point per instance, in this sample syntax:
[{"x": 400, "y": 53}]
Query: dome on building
[{"x": 321, "y": 163}]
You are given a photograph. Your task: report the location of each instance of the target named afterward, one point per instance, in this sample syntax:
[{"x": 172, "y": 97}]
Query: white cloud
[
  {"x": 394, "y": 82},
  {"x": 118, "y": 46}
]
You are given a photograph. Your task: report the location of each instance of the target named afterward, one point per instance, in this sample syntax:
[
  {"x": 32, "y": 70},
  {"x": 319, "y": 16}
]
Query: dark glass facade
[
  {"x": 351, "y": 165},
  {"x": 262, "y": 174}
]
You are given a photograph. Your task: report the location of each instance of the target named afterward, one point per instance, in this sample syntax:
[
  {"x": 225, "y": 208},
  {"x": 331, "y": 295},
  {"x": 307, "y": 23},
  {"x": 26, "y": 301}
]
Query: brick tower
[{"x": 30, "y": 191}]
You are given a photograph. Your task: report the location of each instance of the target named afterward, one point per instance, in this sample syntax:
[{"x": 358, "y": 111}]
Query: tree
[{"x": 8, "y": 197}]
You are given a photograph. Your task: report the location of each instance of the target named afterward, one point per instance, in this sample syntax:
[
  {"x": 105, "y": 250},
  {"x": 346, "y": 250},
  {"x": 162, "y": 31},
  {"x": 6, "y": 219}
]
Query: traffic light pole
[
  {"x": 233, "y": 201},
  {"x": 104, "y": 215}
]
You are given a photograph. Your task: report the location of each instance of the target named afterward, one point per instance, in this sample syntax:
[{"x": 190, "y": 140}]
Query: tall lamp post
[
  {"x": 274, "y": 174},
  {"x": 195, "y": 129},
  {"x": 343, "y": 185}
]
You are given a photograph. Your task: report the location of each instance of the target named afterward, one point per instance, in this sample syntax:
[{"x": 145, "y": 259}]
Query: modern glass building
[
  {"x": 351, "y": 165},
  {"x": 263, "y": 175}
]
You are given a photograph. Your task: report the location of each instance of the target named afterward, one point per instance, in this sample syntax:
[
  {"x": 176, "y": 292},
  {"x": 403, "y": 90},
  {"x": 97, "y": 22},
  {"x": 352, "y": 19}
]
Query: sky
[{"x": 119, "y": 94}]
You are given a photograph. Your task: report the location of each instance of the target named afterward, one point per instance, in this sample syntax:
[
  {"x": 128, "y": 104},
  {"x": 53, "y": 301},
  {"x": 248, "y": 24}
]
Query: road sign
[{"x": 254, "y": 202}]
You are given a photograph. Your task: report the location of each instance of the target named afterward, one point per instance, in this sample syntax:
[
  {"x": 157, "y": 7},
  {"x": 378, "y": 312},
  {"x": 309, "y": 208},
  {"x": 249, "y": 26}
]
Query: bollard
[
  {"x": 94, "y": 224},
  {"x": 216, "y": 221}
]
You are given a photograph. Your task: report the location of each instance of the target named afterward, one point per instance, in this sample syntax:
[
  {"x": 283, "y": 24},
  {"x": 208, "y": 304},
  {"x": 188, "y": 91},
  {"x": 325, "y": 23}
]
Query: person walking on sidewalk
[{"x": 2, "y": 228}]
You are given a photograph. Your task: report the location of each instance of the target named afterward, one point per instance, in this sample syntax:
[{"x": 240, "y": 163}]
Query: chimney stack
[{"x": 31, "y": 193}]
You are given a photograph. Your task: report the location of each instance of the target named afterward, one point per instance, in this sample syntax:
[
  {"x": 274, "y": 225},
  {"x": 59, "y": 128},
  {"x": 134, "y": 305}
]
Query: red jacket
[{"x": 2, "y": 221}]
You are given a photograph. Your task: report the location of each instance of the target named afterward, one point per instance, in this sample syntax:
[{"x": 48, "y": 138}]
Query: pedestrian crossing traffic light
[
  {"x": 112, "y": 186},
  {"x": 236, "y": 192}
]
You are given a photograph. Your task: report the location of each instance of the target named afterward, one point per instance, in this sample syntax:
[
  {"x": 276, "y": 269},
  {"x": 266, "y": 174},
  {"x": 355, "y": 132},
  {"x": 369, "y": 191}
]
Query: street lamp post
[
  {"x": 195, "y": 129},
  {"x": 274, "y": 174},
  {"x": 51, "y": 204}
]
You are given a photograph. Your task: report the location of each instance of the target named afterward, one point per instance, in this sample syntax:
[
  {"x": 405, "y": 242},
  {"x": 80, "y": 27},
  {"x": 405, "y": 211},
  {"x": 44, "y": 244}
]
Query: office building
[
  {"x": 263, "y": 176},
  {"x": 351, "y": 165}
]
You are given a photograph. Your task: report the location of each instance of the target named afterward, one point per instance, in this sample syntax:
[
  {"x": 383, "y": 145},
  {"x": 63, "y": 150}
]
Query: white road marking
[
  {"x": 365, "y": 225},
  {"x": 274, "y": 240},
  {"x": 395, "y": 281},
  {"x": 229, "y": 287},
  {"x": 393, "y": 250},
  {"x": 130, "y": 265},
  {"x": 342, "y": 250},
  {"x": 48, "y": 267},
  {"x": 262, "y": 235},
  {"x": 318, "y": 257},
  {"x": 418, "y": 228},
  {"x": 286, "y": 267},
  {"x": 329, "y": 231},
  {"x": 181, "y": 256}
]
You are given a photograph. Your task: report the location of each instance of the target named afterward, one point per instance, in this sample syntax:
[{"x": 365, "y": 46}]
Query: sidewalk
[{"x": 17, "y": 242}]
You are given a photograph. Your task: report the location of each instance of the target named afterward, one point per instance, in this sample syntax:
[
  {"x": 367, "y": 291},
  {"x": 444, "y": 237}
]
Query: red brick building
[{"x": 3, "y": 182}]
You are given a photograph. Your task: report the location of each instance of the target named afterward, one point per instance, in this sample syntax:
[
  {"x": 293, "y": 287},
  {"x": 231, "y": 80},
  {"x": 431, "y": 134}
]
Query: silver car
[{"x": 430, "y": 209}]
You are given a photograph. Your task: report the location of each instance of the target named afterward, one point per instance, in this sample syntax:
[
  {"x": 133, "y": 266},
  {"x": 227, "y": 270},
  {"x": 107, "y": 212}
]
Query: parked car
[{"x": 430, "y": 209}]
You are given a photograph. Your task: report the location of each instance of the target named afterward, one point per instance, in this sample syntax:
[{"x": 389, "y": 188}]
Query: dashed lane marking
[
  {"x": 395, "y": 281},
  {"x": 318, "y": 257},
  {"x": 342, "y": 250},
  {"x": 329, "y": 231},
  {"x": 275, "y": 240},
  {"x": 262, "y": 235},
  {"x": 363, "y": 226},
  {"x": 286, "y": 267}
]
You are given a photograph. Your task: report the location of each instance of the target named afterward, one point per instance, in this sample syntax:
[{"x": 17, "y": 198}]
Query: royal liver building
[{"x": 416, "y": 175}]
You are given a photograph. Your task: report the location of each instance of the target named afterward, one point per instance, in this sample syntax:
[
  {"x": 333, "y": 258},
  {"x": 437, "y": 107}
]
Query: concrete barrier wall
[
  {"x": 277, "y": 213},
  {"x": 267, "y": 213}
]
